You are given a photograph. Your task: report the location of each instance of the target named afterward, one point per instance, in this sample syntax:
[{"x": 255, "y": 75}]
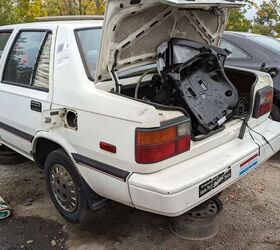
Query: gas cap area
[{"x": 71, "y": 119}]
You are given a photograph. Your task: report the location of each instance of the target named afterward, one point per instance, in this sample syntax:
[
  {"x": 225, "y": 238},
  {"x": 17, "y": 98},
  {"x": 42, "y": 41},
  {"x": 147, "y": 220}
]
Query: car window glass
[
  {"x": 267, "y": 42},
  {"x": 4, "y": 37},
  {"x": 41, "y": 77},
  {"x": 89, "y": 41},
  {"x": 22, "y": 58},
  {"x": 235, "y": 52}
]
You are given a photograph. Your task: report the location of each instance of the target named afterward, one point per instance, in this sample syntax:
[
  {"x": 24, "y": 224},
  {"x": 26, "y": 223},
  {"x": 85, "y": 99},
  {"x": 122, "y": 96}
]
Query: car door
[{"x": 26, "y": 86}]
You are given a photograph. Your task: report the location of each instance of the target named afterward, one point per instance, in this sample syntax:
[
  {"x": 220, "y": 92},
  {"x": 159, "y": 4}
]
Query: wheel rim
[{"x": 63, "y": 188}]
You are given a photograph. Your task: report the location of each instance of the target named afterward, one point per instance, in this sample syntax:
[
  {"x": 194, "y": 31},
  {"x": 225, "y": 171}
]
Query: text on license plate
[{"x": 214, "y": 182}]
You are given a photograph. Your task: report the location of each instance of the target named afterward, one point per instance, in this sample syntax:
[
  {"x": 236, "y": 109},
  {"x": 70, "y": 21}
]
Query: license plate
[{"x": 214, "y": 182}]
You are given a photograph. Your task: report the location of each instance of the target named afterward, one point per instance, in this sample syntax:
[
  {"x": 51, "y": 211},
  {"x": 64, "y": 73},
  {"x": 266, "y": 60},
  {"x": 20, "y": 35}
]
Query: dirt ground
[{"x": 250, "y": 218}]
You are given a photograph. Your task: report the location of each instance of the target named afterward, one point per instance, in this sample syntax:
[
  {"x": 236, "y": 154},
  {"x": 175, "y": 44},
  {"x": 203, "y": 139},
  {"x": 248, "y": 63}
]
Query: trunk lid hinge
[{"x": 113, "y": 72}]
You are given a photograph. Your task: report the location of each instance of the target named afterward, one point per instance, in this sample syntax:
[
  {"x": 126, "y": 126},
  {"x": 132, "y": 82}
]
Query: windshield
[
  {"x": 89, "y": 44},
  {"x": 268, "y": 42}
]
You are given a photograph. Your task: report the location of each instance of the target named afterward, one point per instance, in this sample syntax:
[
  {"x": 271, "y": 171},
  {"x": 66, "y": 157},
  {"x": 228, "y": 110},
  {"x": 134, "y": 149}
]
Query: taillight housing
[
  {"x": 158, "y": 144},
  {"x": 263, "y": 102}
]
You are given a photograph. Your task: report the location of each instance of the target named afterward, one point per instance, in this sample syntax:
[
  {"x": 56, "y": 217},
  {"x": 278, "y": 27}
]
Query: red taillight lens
[
  {"x": 264, "y": 109},
  {"x": 153, "y": 154},
  {"x": 183, "y": 144},
  {"x": 263, "y": 102},
  {"x": 155, "y": 145}
]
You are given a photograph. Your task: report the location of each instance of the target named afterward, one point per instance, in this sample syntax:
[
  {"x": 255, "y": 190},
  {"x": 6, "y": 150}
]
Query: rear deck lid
[{"x": 133, "y": 29}]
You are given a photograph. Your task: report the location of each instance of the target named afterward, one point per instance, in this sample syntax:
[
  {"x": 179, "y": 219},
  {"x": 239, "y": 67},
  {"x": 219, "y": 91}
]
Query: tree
[
  {"x": 17, "y": 11},
  {"x": 267, "y": 13},
  {"x": 267, "y": 19},
  {"x": 74, "y": 7},
  {"x": 6, "y": 15},
  {"x": 262, "y": 29},
  {"x": 238, "y": 21}
]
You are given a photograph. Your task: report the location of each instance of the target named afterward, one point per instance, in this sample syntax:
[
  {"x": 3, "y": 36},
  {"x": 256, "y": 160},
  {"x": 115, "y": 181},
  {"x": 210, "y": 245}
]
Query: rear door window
[
  {"x": 236, "y": 53},
  {"x": 89, "y": 44},
  {"x": 28, "y": 54},
  {"x": 42, "y": 68},
  {"x": 4, "y": 37}
]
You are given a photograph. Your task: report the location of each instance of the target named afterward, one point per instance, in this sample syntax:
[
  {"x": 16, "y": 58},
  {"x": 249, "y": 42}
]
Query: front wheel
[
  {"x": 275, "y": 113},
  {"x": 64, "y": 187}
]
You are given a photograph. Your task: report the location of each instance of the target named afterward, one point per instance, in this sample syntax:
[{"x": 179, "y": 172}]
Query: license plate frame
[{"x": 214, "y": 182}]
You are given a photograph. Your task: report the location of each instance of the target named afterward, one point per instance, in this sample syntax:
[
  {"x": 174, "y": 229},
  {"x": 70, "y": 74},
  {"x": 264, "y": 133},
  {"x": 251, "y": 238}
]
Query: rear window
[
  {"x": 267, "y": 42},
  {"x": 4, "y": 37},
  {"x": 235, "y": 53},
  {"x": 89, "y": 42}
]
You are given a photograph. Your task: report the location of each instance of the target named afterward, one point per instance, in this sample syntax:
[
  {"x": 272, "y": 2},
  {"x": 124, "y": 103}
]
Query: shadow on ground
[{"x": 250, "y": 219}]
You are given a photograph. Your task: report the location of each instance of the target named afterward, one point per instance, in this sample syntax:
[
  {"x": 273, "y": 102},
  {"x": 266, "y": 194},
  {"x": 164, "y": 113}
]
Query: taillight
[
  {"x": 263, "y": 102},
  {"x": 155, "y": 145}
]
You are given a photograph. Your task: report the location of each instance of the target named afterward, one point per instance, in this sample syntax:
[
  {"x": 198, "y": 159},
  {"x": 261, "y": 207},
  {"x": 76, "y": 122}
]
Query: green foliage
[
  {"x": 18, "y": 11},
  {"x": 238, "y": 22},
  {"x": 237, "y": 19},
  {"x": 267, "y": 19},
  {"x": 77, "y": 7},
  {"x": 262, "y": 29},
  {"x": 267, "y": 13},
  {"x": 6, "y": 12}
]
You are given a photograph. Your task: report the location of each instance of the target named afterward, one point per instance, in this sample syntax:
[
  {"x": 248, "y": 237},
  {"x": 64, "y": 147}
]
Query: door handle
[{"x": 36, "y": 106}]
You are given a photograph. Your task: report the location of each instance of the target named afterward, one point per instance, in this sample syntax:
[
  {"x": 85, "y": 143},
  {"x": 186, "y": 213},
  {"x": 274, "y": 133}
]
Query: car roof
[
  {"x": 241, "y": 34},
  {"x": 72, "y": 24}
]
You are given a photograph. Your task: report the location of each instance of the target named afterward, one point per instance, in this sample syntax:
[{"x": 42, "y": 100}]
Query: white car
[{"x": 135, "y": 108}]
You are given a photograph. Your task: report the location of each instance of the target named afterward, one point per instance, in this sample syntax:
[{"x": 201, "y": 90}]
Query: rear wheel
[
  {"x": 10, "y": 157},
  {"x": 275, "y": 113},
  {"x": 65, "y": 187}
]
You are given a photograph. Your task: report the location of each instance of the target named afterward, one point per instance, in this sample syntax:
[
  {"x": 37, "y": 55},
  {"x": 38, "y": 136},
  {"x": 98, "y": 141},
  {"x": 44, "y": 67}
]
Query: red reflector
[{"x": 108, "y": 147}]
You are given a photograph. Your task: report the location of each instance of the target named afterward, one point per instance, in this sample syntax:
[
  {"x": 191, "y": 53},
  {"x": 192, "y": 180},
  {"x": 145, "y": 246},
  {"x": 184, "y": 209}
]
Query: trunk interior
[
  {"x": 191, "y": 75},
  {"x": 148, "y": 91}
]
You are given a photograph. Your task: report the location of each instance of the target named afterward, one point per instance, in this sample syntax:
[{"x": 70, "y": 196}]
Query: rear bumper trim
[
  {"x": 101, "y": 167},
  {"x": 175, "y": 190}
]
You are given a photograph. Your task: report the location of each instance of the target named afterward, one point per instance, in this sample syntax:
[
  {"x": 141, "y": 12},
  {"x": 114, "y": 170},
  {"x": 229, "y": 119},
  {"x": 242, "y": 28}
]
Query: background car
[{"x": 256, "y": 52}]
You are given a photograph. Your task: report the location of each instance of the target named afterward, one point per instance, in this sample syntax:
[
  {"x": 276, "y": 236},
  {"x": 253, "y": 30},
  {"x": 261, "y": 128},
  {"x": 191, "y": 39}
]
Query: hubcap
[{"x": 63, "y": 188}]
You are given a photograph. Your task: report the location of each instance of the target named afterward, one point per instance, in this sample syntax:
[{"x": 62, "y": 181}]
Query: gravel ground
[{"x": 250, "y": 218}]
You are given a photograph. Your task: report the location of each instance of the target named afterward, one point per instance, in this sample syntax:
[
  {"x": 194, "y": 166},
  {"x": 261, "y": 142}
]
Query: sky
[{"x": 250, "y": 14}]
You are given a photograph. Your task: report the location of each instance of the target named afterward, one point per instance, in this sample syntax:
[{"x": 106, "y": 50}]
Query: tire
[
  {"x": 275, "y": 113},
  {"x": 63, "y": 181},
  {"x": 9, "y": 157}
]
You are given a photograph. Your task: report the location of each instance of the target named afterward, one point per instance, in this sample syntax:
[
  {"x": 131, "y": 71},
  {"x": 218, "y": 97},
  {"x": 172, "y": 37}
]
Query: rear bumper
[{"x": 175, "y": 190}]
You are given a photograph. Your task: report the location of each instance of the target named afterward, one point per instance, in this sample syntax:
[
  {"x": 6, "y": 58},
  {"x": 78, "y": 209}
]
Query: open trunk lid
[{"x": 134, "y": 29}]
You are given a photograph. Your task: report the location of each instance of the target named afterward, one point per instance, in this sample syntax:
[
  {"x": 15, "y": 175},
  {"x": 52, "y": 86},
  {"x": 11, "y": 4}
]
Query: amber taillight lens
[{"x": 155, "y": 145}]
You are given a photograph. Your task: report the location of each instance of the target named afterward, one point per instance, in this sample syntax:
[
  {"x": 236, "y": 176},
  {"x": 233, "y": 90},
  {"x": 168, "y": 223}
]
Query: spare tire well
[{"x": 42, "y": 148}]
